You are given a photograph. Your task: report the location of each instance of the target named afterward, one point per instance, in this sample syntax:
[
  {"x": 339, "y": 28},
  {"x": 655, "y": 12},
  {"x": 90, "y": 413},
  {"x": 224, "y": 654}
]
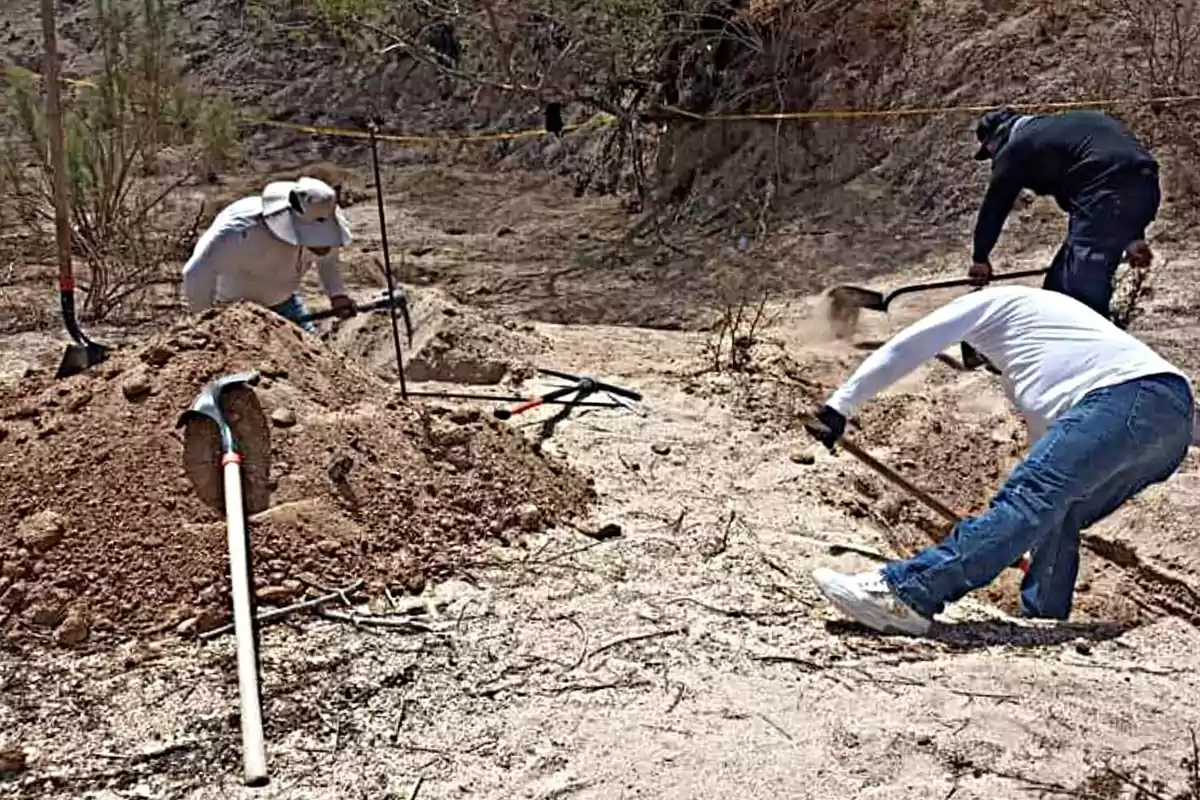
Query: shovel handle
[
  {"x": 917, "y": 492},
  {"x": 254, "y": 759},
  {"x": 890, "y": 474},
  {"x": 929, "y": 500},
  {"x": 505, "y": 413}
]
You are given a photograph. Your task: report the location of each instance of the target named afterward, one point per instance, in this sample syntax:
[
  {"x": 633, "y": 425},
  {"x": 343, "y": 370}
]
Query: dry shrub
[
  {"x": 744, "y": 297},
  {"x": 126, "y": 128},
  {"x": 1163, "y": 61}
]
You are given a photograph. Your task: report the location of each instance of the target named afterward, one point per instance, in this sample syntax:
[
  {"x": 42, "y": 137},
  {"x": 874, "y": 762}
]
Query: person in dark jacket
[{"x": 1095, "y": 169}]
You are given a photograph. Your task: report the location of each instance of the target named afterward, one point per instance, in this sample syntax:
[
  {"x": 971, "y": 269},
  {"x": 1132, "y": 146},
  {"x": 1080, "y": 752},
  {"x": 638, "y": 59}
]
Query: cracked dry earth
[{"x": 689, "y": 657}]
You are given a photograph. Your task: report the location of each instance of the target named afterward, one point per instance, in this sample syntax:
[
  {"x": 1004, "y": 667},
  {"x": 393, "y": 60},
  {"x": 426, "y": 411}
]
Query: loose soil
[{"x": 363, "y": 486}]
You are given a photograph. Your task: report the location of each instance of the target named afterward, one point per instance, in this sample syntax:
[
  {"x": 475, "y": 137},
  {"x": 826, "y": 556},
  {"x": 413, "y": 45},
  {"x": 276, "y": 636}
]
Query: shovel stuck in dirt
[
  {"x": 208, "y": 411},
  {"x": 84, "y": 353},
  {"x": 845, "y": 302}
]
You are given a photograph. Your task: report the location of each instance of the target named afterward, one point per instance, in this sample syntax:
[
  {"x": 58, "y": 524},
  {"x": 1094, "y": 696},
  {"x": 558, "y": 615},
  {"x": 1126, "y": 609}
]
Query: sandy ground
[{"x": 690, "y": 657}]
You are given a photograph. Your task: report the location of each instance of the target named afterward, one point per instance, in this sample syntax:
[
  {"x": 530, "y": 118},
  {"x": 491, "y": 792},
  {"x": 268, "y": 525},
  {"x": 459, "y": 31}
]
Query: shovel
[
  {"x": 207, "y": 406},
  {"x": 84, "y": 353},
  {"x": 845, "y": 302},
  {"x": 872, "y": 300}
]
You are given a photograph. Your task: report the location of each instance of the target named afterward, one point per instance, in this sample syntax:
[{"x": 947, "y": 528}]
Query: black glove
[{"x": 834, "y": 425}]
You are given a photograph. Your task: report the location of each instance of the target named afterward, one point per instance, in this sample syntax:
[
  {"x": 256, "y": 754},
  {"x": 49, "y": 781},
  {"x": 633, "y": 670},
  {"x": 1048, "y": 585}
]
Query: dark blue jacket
[{"x": 1079, "y": 158}]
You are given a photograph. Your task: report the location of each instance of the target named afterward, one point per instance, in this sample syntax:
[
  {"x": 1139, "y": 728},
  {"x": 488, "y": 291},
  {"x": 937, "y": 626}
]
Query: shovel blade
[
  {"x": 857, "y": 297},
  {"x": 78, "y": 358}
]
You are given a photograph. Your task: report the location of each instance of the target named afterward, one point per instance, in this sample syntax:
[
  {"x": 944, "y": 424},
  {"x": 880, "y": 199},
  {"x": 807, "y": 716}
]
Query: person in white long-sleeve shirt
[
  {"x": 258, "y": 249},
  {"x": 1108, "y": 417}
]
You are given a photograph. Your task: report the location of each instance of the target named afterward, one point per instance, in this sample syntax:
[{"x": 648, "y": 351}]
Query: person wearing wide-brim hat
[{"x": 258, "y": 249}]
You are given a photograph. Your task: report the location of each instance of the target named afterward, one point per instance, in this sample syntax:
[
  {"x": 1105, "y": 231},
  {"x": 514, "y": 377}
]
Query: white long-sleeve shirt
[
  {"x": 1050, "y": 349},
  {"x": 238, "y": 258}
]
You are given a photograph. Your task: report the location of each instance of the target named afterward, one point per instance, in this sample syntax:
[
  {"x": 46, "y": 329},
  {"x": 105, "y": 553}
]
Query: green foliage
[{"x": 118, "y": 126}]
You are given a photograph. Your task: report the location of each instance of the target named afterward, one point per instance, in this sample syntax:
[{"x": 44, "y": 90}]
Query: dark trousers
[{"x": 1097, "y": 235}]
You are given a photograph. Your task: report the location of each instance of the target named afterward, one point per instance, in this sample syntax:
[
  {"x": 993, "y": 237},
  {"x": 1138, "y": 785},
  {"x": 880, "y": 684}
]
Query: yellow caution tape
[
  {"x": 928, "y": 111},
  {"x": 599, "y": 120},
  {"x": 812, "y": 114},
  {"x": 499, "y": 136}
]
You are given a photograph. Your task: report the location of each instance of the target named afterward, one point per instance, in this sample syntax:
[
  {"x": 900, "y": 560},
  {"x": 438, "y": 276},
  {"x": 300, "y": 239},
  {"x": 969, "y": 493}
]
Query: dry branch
[{"x": 280, "y": 613}]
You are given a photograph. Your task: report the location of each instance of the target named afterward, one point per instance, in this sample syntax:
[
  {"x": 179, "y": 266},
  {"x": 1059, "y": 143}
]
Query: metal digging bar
[
  {"x": 387, "y": 261},
  {"x": 208, "y": 405},
  {"x": 84, "y": 353},
  {"x": 506, "y": 398}
]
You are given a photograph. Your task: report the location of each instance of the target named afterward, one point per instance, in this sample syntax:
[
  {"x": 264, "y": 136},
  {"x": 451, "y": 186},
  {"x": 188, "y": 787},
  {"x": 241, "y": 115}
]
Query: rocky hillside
[{"x": 902, "y": 176}]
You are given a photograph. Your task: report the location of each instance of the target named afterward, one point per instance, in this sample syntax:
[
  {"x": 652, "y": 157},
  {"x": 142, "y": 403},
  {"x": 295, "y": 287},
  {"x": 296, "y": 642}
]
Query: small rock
[
  {"x": 135, "y": 386},
  {"x": 25, "y": 411},
  {"x": 610, "y": 530},
  {"x": 158, "y": 356},
  {"x": 338, "y": 467},
  {"x": 414, "y": 581},
  {"x": 14, "y": 597},
  {"x": 660, "y": 449},
  {"x": 275, "y": 595},
  {"x": 465, "y": 416},
  {"x": 803, "y": 456},
  {"x": 77, "y": 401},
  {"x": 12, "y": 760},
  {"x": 283, "y": 417},
  {"x": 47, "y": 615},
  {"x": 504, "y": 230},
  {"x": 529, "y": 517},
  {"x": 455, "y": 230},
  {"x": 55, "y": 426},
  {"x": 208, "y": 621},
  {"x": 329, "y": 546},
  {"x": 924, "y": 740},
  {"x": 41, "y": 531},
  {"x": 73, "y": 630},
  {"x": 1083, "y": 647}
]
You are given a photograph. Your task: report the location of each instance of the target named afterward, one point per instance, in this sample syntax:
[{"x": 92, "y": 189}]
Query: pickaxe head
[{"x": 207, "y": 405}]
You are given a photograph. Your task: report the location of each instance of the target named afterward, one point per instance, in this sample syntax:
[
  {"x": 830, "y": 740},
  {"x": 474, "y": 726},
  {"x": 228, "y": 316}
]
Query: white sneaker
[{"x": 866, "y": 598}]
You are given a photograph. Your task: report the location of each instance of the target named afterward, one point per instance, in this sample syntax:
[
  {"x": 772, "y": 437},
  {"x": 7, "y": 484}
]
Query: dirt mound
[
  {"x": 451, "y": 343},
  {"x": 100, "y": 527}
]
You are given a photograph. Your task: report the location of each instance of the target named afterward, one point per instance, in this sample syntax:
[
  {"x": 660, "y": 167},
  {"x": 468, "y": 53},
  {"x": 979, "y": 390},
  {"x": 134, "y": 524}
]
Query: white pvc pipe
[{"x": 254, "y": 759}]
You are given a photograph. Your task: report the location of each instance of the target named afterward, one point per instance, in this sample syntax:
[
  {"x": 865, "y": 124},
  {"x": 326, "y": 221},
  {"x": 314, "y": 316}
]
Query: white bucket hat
[{"x": 305, "y": 213}]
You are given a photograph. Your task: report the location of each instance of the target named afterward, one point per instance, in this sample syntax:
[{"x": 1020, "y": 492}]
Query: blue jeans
[
  {"x": 1111, "y": 445},
  {"x": 293, "y": 308},
  {"x": 1097, "y": 235}
]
